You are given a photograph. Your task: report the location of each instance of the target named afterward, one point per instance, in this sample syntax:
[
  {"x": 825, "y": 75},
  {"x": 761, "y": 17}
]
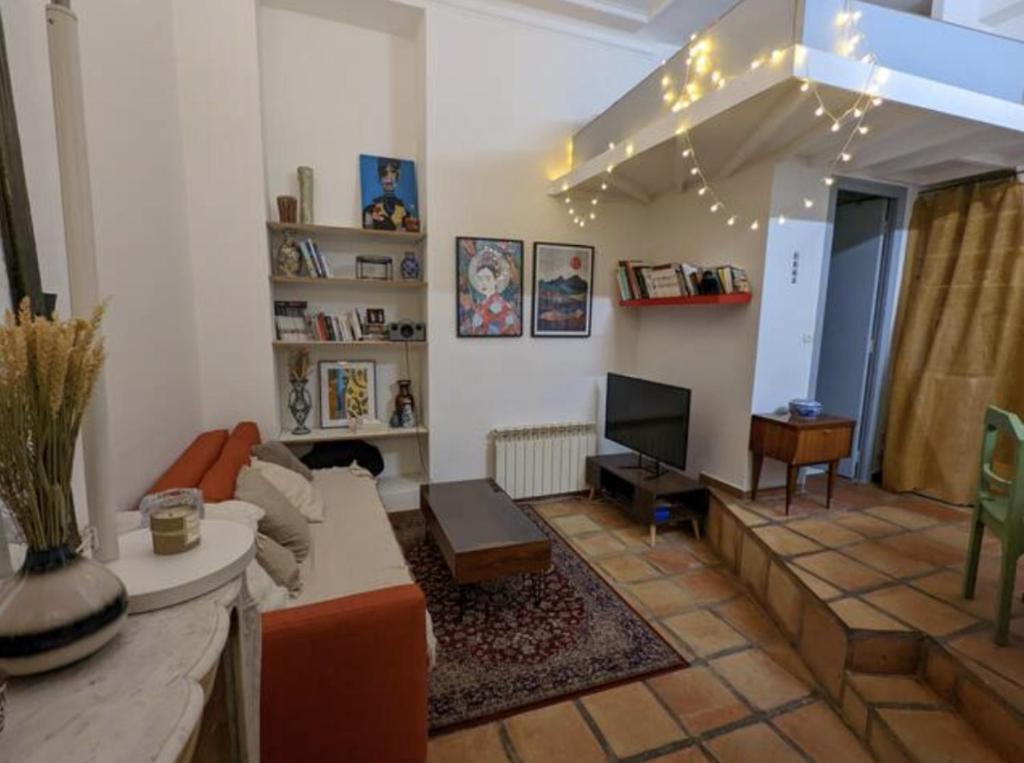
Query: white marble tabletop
[{"x": 138, "y": 699}]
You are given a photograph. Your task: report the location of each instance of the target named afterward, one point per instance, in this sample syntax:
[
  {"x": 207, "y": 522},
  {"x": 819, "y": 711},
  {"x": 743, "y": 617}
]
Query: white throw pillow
[
  {"x": 301, "y": 493},
  {"x": 243, "y": 512},
  {"x": 267, "y": 594}
]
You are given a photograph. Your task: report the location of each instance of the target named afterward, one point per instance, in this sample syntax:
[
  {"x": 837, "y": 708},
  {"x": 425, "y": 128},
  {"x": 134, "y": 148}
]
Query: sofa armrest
[{"x": 346, "y": 679}]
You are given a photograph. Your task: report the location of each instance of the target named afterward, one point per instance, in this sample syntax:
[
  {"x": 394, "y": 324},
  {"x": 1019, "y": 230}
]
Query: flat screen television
[{"x": 652, "y": 419}]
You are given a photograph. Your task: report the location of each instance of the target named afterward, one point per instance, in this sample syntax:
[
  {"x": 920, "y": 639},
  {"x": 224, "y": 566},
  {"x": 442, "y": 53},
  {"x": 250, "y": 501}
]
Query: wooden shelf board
[
  {"x": 703, "y": 299},
  {"x": 348, "y": 232},
  {"x": 373, "y": 343},
  {"x": 366, "y": 283},
  {"x": 333, "y": 435}
]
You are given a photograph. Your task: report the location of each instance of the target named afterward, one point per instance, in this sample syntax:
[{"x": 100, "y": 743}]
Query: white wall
[
  {"x": 218, "y": 89},
  {"x": 742, "y": 359},
  {"x": 136, "y": 158},
  {"x": 709, "y": 349},
  {"x": 502, "y": 100},
  {"x": 135, "y": 153},
  {"x": 330, "y": 92},
  {"x": 789, "y": 313}
]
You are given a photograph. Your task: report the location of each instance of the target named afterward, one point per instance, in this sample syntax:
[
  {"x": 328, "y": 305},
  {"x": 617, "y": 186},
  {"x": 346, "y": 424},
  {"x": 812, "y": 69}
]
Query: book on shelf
[
  {"x": 313, "y": 259},
  {"x": 638, "y": 280},
  {"x": 294, "y": 322},
  {"x": 290, "y": 321}
]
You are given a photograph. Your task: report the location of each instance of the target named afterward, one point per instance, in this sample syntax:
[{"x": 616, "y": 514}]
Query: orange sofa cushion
[
  {"x": 191, "y": 465},
  {"x": 346, "y": 680},
  {"x": 218, "y": 484}
]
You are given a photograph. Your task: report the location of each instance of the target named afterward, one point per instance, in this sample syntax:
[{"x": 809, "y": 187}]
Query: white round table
[{"x": 154, "y": 581}]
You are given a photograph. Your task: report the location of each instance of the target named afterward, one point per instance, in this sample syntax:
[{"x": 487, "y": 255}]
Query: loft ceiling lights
[{"x": 702, "y": 75}]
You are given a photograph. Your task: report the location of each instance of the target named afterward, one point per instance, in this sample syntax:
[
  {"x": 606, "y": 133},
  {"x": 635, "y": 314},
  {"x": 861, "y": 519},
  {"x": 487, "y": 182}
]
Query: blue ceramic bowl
[{"x": 806, "y": 408}]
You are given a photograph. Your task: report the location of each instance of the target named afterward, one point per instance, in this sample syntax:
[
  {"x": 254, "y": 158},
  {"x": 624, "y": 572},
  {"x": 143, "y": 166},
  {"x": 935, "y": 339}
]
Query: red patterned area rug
[{"x": 510, "y": 651}]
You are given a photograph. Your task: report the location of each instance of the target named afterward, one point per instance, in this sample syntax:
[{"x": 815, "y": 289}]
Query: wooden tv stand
[{"x": 639, "y": 492}]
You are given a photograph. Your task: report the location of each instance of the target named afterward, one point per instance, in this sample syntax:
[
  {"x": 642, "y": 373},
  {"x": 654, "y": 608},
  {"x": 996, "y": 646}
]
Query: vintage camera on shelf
[{"x": 407, "y": 331}]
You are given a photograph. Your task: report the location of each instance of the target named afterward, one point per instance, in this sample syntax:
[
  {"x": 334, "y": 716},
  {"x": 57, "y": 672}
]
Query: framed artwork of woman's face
[{"x": 489, "y": 291}]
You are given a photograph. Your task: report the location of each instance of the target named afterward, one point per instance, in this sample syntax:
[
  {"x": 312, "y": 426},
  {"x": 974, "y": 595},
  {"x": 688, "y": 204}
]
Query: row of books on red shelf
[
  {"x": 313, "y": 260},
  {"x": 640, "y": 280},
  {"x": 294, "y": 323}
]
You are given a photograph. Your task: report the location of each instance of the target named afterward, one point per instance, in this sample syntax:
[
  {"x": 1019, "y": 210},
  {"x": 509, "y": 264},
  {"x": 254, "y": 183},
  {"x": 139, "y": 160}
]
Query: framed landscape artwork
[
  {"x": 489, "y": 292},
  {"x": 390, "y": 200},
  {"x": 563, "y": 289},
  {"x": 348, "y": 389}
]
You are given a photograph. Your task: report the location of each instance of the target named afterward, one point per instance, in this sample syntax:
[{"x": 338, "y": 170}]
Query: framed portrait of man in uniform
[{"x": 390, "y": 200}]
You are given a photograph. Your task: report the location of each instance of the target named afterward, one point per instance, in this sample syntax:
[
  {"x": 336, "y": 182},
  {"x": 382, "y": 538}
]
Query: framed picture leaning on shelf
[
  {"x": 389, "y": 193},
  {"x": 489, "y": 292},
  {"x": 348, "y": 390},
  {"x": 563, "y": 289}
]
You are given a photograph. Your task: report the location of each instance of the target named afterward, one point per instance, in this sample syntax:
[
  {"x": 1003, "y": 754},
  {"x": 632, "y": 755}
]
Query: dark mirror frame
[{"x": 18, "y": 238}]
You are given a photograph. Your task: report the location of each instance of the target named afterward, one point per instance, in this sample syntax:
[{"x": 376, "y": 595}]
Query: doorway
[{"x": 856, "y": 315}]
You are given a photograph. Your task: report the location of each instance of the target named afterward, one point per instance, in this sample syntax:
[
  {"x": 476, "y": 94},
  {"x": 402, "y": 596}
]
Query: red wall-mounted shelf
[{"x": 702, "y": 299}]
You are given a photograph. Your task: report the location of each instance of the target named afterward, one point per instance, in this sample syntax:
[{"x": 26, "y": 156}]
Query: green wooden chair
[{"x": 1000, "y": 508}]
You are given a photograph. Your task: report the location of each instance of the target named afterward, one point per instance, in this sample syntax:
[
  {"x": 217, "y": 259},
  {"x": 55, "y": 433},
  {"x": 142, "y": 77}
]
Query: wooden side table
[{"x": 800, "y": 441}]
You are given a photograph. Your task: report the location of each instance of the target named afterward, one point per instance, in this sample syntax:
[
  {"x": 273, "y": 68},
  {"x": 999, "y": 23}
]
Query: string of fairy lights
[{"x": 701, "y": 75}]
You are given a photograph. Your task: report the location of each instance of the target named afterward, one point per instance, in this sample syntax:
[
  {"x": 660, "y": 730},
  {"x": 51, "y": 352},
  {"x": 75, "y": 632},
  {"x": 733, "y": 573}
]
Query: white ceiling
[{"x": 665, "y": 21}]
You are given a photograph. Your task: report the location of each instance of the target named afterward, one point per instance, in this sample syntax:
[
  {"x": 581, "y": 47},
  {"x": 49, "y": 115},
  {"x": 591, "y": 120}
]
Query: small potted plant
[{"x": 61, "y": 606}]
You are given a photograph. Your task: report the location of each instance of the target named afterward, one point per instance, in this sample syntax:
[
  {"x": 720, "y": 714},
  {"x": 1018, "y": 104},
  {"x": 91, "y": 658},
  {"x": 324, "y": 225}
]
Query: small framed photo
[
  {"x": 374, "y": 268},
  {"x": 348, "y": 390},
  {"x": 563, "y": 290},
  {"x": 489, "y": 287},
  {"x": 376, "y": 323}
]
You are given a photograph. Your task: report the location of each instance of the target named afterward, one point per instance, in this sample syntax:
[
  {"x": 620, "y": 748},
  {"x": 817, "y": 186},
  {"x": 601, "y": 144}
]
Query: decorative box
[{"x": 806, "y": 408}]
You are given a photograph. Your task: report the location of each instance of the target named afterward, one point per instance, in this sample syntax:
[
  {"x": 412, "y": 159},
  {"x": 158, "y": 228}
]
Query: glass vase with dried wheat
[{"x": 61, "y": 606}]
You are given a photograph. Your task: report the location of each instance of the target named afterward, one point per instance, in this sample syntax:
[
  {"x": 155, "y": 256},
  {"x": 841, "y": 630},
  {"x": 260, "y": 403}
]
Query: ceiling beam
[
  {"x": 908, "y": 133},
  {"x": 767, "y": 129},
  {"x": 804, "y": 140},
  {"x": 617, "y": 10},
  {"x": 626, "y": 186},
  {"x": 1005, "y": 14},
  {"x": 959, "y": 147}
]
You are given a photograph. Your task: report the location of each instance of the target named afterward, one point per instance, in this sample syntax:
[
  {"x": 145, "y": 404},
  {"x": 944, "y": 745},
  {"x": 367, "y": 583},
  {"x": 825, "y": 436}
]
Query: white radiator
[{"x": 544, "y": 459}]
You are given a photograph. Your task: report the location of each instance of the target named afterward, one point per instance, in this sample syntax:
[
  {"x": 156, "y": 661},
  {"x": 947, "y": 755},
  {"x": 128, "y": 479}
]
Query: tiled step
[
  {"x": 920, "y": 735},
  {"x": 847, "y": 640},
  {"x": 903, "y": 720}
]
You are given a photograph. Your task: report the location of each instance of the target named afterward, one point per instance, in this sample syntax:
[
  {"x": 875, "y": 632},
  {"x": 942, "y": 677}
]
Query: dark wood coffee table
[{"x": 482, "y": 534}]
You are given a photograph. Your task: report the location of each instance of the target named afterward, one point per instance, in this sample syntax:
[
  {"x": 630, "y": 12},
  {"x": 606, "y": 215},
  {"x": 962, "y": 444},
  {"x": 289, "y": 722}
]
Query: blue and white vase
[{"x": 410, "y": 267}]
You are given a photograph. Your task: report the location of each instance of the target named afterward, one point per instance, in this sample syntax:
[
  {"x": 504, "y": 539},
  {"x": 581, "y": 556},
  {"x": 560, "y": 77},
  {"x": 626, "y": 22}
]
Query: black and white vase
[
  {"x": 300, "y": 403},
  {"x": 85, "y": 607}
]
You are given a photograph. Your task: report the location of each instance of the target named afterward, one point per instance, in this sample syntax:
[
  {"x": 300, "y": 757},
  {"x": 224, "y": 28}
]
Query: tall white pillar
[{"x": 76, "y": 196}]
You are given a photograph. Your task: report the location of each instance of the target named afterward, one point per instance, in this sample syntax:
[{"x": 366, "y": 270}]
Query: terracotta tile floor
[
  {"x": 746, "y": 697},
  {"x": 883, "y": 561},
  {"x": 908, "y": 571}
]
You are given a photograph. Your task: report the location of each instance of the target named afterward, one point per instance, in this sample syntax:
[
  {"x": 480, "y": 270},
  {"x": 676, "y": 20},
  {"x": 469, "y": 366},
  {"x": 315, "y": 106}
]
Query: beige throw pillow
[
  {"x": 281, "y": 520},
  {"x": 278, "y": 453},
  {"x": 302, "y": 494},
  {"x": 279, "y": 563}
]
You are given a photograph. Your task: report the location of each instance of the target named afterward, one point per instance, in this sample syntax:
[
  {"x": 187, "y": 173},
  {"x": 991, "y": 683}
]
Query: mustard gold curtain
[{"x": 959, "y": 342}]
